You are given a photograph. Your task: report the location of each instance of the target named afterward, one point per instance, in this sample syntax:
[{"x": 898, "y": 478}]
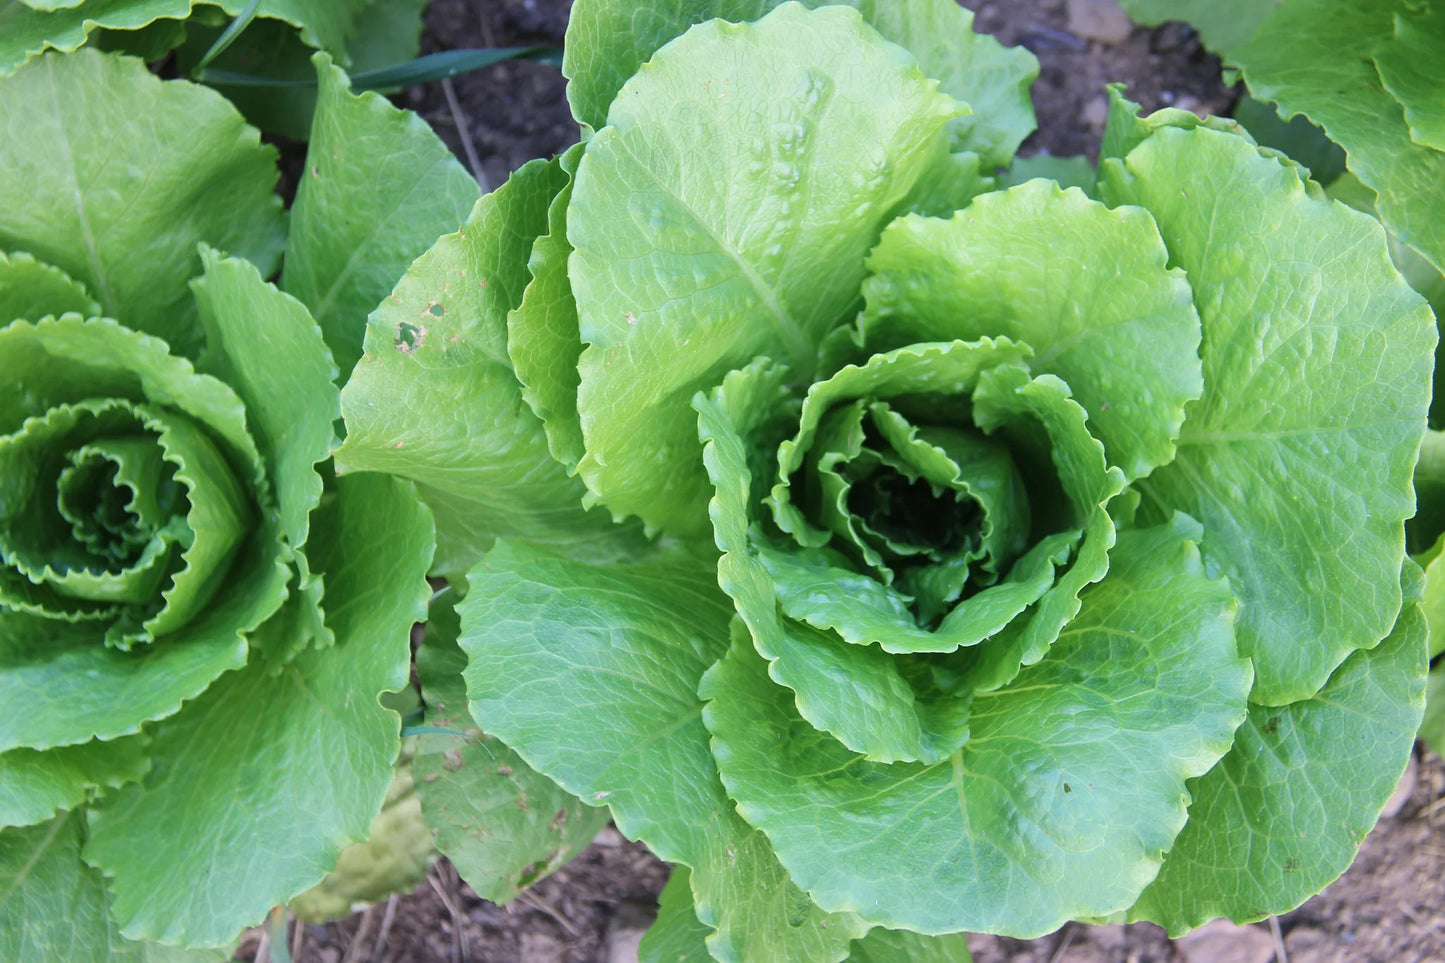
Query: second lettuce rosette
[{"x": 1003, "y": 532}]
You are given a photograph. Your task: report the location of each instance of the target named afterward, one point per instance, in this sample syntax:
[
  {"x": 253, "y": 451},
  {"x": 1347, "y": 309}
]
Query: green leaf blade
[
  {"x": 379, "y": 188},
  {"x": 1317, "y": 358}
]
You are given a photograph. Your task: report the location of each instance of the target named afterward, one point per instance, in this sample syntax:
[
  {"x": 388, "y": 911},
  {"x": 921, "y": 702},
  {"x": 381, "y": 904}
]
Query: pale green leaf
[
  {"x": 542, "y": 335},
  {"x": 806, "y": 133},
  {"x": 308, "y": 750},
  {"x": 34, "y": 785},
  {"x": 1412, "y": 65},
  {"x": 434, "y": 398},
  {"x": 1070, "y": 788},
  {"x": 608, "y": 42},
  {"x": 556, "y": 645},
  {"x": 32, "y": 290},
  {"x": 115, "y": 176},
  {"x": 1085, "y": 287},
  {"x": 378, "y": 189},
  {"x": 677, "y": 935},
  {"x": 265, "y": 345},
  {"x": 53, "y": 907},
  {"x": 1282, "y": 815},
  {"x": 502, "y": 825},
  {"x": 1317, "y": 358},
  {"x": 1221, "y": 23}
]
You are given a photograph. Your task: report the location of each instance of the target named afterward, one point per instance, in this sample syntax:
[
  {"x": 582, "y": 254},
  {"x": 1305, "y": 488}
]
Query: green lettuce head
[
  {"x": 197, "y": 619},
  {"x": 1028, "y": 555}
]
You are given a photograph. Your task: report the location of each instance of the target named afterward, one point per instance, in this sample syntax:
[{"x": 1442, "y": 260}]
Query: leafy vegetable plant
[
  {"x": 1019, "y": 555},
  {"x": 197, "y": 619}
]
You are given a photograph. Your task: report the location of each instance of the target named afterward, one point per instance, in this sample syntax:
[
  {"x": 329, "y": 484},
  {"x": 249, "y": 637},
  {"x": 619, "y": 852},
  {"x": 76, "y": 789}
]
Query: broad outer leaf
[
  {"x": 33, "y": 26},
  {"x": 502, "y": 825},
  {"x": 115, "y": 176},
  {"x": 270, "y": 776},
  {"x": 1085, "y": 287},
  {"x": 1310, "y": 57},
  {"x": 1282, "y": 815},
  {"x": 608, "y": 42},
  {"x": 1412, "y": 66},
  {"x": 53, "y": 907},
  {"x": 590, "y": 674},
  {"x": 265, "y": 345},
  {"x": 1317, "y": 359},
  {"x": 379, "y": 187},
  {"x": 804, "y": 134},
  {"x": 1070, "y": 788},
  {"x": 434, "y": 398},
  {"x": 34, "y": 785}
]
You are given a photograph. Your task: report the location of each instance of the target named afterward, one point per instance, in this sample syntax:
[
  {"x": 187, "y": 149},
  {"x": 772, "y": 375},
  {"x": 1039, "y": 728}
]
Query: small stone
[
  {"x": 1096, "y": 112},
  {"x": 1101, "y": 20},
  {"x": 1220, "y": 941},
  {"x": 608, "y": 836}
]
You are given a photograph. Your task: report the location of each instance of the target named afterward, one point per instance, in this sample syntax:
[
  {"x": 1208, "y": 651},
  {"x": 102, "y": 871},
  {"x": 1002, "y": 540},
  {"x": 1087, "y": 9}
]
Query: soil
[{"x": 1390, "y": 906}]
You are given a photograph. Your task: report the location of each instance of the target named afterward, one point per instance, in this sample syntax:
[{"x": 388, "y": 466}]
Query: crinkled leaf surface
[
  {"x": 806, "y": 132},
  {"x": 1282, "y": 815},
  {"x": 115, "y": 176},
  {"x": 53, "y": 907},
  {"x": 503, "y": 825},
  {"x": 32, "y": 290},
  {"x": 1070, "y": 788},
  {"x": 607, "y": 43},
  {"x": 434, "y": 398},
  {"x": 1314, "y": 57},
  {"x": 1084, "y": 286},
  {"x": 35, "y": 785},
  {"x": 1412, "y": 65},
  {"x": 590, "y": 674},
  {"x": 72, "y": 686},
  {"x": 378, "y": 189},
  {"x": 307, "y": 752},
  {"x": 1317, "y": 359},
  {"x": 31, "y": 27},
  {"x": 542, "y": 335},
  {"x": 266, "y": 346}
]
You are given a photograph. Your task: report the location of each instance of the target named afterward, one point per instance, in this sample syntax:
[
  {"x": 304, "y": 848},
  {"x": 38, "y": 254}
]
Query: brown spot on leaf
[
  {"x": 452, "y": 760},
  {"x": 409, "y": 337}
]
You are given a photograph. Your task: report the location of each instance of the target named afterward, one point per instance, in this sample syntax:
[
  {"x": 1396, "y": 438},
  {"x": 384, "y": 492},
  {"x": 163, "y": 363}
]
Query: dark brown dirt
[{"x": 1390, "y": 906}]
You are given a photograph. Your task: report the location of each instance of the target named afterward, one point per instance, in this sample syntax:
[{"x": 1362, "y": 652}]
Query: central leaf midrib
[
  {"x": 788, "y": 328},
  {"x": 98, "y": 278}
]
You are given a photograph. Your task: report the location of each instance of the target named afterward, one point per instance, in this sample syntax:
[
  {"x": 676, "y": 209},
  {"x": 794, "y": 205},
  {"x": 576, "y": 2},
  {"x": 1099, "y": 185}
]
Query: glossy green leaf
[
  {"x": 1413, "y": 70},
  {"x": 434, "y": 398},
  {"x": 747, "y": 237},
  {"x": 607, "y": 43},
  {"x": 502, "y": 825},
  {"x": 1070, "y": 788},
  {"x": 1283, "y": 814},
  {"x": 309, "y": 750},
  {"x": 31, "y": 26},
  {"x": 99, "y": 158},
  {"x": 677, "y": 935},
  {"x": 1085, "y": 287},
  {"x": 1221, "y": 23},
  {"x": 1317, "y": 357},
  {"x": 53, "y": 907},
  {"x": 627, "y": 644},
  {"x": 378, "y": 189},
  {"x": 901, "y": 946},
  {"x": 32, "y": 290},
  {"x": 542, "y": 335},
  {"x": 289, "y": 407},
  {"x": 34, "y": 786}
]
